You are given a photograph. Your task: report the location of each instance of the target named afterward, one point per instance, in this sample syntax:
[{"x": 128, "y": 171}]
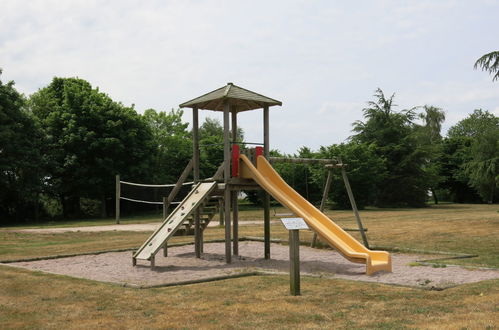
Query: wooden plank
[{"x": 173, "y": 222}]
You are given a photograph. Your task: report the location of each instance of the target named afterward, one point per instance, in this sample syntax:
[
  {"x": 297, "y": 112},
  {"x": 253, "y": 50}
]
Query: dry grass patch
[
  {"x": 36, "y": 300},
  {"x": 469, "y": 229}
]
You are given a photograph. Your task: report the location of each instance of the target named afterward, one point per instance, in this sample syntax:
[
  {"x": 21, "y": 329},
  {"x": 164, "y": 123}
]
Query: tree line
[{"x": 61, "y": 147}]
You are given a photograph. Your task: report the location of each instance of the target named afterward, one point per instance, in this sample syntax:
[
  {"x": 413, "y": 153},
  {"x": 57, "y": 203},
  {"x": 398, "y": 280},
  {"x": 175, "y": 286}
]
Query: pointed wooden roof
[{"x": 242, "y": 99}]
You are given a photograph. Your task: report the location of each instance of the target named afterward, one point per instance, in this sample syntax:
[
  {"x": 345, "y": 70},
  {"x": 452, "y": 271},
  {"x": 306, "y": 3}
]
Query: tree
[
  {"x": 471, "y": 157},
  {"x": 20, "y": 159},
  {"x": 172, "y": 143},
  {"x": 483, "y": 169},
  {"x": 453, "y": 179},
  {"x": 473, "y": 125},
  {"x": 366, "y": 171},
  {"x": 433, "y": 118},
  {"x": 88, "y": 138},
  {"x": 394, "y": 138},
  {"x": 431, "y": 141},
  {"x": 489, "y": 62}
]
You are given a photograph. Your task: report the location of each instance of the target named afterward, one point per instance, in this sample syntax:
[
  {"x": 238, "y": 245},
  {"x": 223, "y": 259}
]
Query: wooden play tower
[
  {"x": 231, "y": 100},
  {"x": 247, "y": 171}
]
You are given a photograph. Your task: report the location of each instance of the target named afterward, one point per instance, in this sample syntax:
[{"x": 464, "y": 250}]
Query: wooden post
[
  {"x": 195, "y": 143},
  {"x": 235, "y": 210},
  {"x": 165, "y": 207},
  {"x": 195, "y": 165},
  {"x": 235, "y": 223},
  {"x": 266, "y": 199},
  {"x": 294, "y": 261},
  {"x": 354, "y": 207},
  {"x": 118, "y": 195},
  {"x": 325, "y": 193},
  {"x": 227, "y": 192},
  {"x": 165, "y": 213},
  {"x": 221, "y": 212}
]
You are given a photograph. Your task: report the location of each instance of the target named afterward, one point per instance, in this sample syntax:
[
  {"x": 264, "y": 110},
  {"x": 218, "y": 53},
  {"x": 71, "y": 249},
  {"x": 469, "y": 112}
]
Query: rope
[
  {"x": 154, "y": 185},
  {"x": 147, "y": 202}
]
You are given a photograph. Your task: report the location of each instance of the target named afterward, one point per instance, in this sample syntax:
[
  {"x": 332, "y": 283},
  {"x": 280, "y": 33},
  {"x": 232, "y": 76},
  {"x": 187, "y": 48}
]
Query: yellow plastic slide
[{"x": 348, "y": 246}]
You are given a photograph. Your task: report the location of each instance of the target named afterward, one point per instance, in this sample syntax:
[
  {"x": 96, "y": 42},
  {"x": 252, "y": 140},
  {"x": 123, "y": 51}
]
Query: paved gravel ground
[{"x": 182, "y": 266}]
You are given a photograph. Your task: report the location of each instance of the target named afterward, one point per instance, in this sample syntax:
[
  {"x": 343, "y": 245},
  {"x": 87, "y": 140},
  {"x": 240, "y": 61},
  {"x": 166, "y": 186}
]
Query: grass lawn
[{"x": 37, "y": 300}]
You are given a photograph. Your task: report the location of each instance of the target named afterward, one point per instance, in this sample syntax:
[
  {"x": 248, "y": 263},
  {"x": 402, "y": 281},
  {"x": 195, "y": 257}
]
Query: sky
[{"x": 322, "y": 59}]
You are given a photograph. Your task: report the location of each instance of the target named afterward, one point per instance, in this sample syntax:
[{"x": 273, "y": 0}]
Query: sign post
[{"x": 293, "y": 225}]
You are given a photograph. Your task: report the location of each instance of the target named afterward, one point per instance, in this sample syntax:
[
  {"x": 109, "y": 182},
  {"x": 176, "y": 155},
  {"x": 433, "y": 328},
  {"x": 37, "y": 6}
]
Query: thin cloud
[{"x": 322, "y": 59}]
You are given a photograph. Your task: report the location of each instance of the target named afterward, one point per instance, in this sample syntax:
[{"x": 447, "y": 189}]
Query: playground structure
[
  {"x": 330, "y": 165},
  {"x": 247, "y": 172}
]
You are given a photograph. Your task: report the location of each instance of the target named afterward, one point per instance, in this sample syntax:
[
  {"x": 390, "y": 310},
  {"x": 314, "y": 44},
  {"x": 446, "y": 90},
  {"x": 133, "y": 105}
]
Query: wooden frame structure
[
  {"x": 330, "y": 164},
  {"x": 231, "y": 100}
]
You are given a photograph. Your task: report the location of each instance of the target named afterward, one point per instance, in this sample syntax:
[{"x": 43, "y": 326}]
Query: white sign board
[{"x": 294, "y": 223}]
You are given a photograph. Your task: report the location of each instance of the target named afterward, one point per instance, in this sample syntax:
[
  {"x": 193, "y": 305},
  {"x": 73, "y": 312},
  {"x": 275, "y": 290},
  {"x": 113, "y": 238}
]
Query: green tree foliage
[
  {"x": 20, "y": 160},
  {"x": 211, "y": 138},
  {"x": 430, "y": 141},
  {"x": 88, "y": 138},
  {"x": 307, "y": 179},
  {"x": 483, "y": 169},
  {"x": 394, "y": 138},
  {"x": 489, "y": 62},
  {"x": 455, "y": 153},
  {"x": 365, "y": 170},
  {"x": 475, "y": 156},
  {"x": 172, "y": 143}
]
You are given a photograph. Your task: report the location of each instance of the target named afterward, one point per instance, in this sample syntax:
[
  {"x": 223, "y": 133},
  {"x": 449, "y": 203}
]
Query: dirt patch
[{"x": 182, "y": 266}]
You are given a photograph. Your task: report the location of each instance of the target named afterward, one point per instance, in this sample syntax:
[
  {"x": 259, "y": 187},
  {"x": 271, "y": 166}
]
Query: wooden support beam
[
  {"x": 303, "y": 160},
  {"x": 354, "y": 207},
  {"x": 227, "y": 194},
  {"x": 266, "y": 199},
  {"x": 195, "y": 168},
  {"x": 221, "y": 212},
  {"x": 185, "y": 174},
  {"x": 234, "y": 193},
  {"x": 165, "y": 207},
  {"x": 235, "y": 223},
  {"x": 195, "y": 143},
  {"x": 325, "y": 194}
]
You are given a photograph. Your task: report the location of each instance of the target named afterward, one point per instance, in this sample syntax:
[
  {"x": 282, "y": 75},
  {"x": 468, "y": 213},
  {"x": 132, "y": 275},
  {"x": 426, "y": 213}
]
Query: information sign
[{"x": 294, "y": 223}]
